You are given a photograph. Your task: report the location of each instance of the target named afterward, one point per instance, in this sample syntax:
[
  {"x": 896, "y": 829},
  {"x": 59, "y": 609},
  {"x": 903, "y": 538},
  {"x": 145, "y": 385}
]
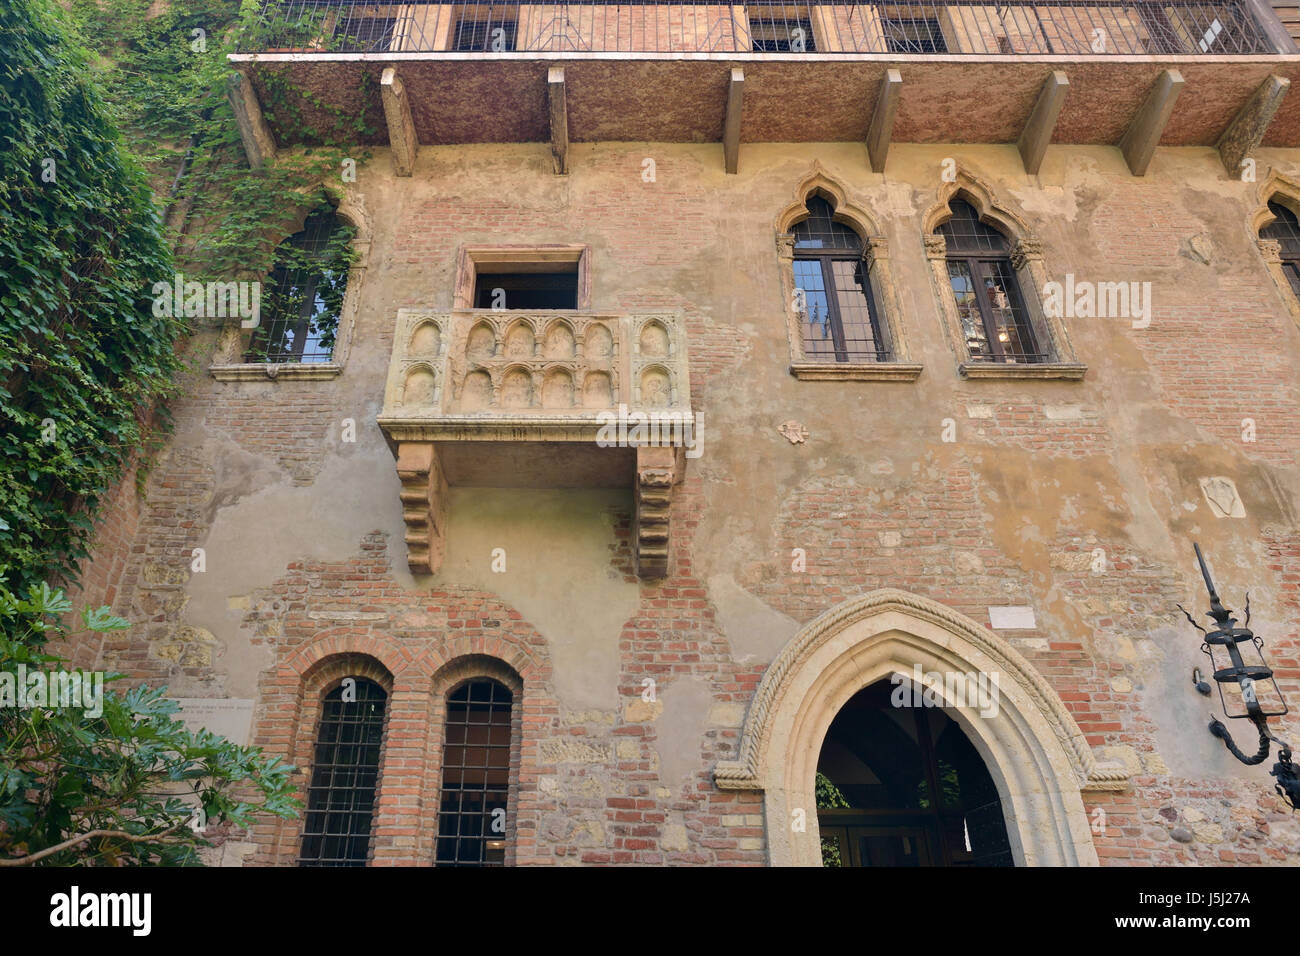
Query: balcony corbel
[
  {"x": 1037, "y": 134},
  {"x": 424, "y": 505},
  {"x": 559, "y": 115},
  {"x": 401, "y": 128},
  {"x": 1147, "y": 126},
  {"x": 259, "y": 143},
  {"x": 731, "y": 121},
  {"x": 1247, "y": 129},
  {"x": 882, "y": 119}
]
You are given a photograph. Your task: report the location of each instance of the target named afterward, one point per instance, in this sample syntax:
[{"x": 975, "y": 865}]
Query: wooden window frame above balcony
[{"x": 520, "y": 258}]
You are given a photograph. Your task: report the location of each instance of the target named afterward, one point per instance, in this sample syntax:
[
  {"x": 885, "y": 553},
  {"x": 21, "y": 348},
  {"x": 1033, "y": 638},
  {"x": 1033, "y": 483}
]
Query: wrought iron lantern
[{"x": 1247, "y": 688}]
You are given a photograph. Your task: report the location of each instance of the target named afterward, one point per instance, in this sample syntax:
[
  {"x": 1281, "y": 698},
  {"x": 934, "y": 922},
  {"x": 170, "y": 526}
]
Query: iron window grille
[
  {"x": 364, "y": 34},
  {"x": 772, "y": 34},
  {"x": 905, "y": 33},
  {"x": 840, "y": 322},
  {"x": 492, "y": 34},
  {"x": 475, "y": 775},
  {"x": 300, "y": 313},
  {"x": 344, "y": 778},
  {"x": 1285, "y": 230},
  {"x": 994, "y": 322}
]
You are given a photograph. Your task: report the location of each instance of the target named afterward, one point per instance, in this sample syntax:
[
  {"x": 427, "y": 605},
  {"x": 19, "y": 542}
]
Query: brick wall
[{"x": 1039, "y": 477}]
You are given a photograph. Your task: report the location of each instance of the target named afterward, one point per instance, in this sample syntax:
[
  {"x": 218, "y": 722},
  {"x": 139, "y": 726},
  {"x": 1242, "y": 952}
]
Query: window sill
[
  {"x": 253, "y": 371},
  {"x": 856, "y": 371},
  {"x": 1072, "y": 371}
]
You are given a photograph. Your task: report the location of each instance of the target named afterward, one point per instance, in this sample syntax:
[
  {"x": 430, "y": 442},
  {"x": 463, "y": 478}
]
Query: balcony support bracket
[
  {"x": 658, "y": 468},
  {"x": 1037, "y": 134},
  {"x": 882, "y": 119},
  {"x": 559, "y": 118},
  {"x": 424, "y": 505},
  {"x": 731, "y": 122},
  {"x": 401, "y": 128},
  {"x": 259, "y": 144},
  {"x": 1139, "y": 141},
  {"x": 1246, "y": 131}
]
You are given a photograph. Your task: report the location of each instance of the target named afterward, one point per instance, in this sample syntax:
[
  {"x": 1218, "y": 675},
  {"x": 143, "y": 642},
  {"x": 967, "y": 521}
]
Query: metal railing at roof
[{"x": 1017, "y": 27}]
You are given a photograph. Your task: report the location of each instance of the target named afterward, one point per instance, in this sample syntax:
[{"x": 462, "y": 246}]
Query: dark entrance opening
[
  {"x": 527, "y": 290},
  {"x": 904, "y": 786}
]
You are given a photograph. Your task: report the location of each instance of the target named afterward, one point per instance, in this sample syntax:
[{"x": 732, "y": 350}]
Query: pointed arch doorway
[
  {"x": 1035, "y": 753},
  {"x": 902, "y": 785}
]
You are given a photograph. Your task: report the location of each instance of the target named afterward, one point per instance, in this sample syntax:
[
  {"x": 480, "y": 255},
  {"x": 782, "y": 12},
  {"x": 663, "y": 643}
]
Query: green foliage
[
  {"x": 80, "y": 247},
  {"x": 85, "y": 361},
  {"x": 829, "y": 797},
  {"x": 168, "y": 83},
  {"x": 130, "y": 774}
]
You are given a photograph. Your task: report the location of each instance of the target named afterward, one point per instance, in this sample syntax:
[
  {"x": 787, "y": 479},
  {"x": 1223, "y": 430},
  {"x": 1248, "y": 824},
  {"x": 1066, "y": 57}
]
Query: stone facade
[{"x": 1076, "y": 496}]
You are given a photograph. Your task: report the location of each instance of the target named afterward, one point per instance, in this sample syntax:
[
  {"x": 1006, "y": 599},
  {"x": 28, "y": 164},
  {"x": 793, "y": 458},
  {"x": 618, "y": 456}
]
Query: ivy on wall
[
  {"x": 114, "y": 111},
  {"x": 82, "y": 356}
]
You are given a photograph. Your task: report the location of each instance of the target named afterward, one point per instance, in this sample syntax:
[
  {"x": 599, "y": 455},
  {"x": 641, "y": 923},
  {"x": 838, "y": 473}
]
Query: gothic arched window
[
  {"x": 303, "y": 297},
  {"x": 840, "y": 319},
  {"x": 1285, "y": 231},
  {"x": 994, "y": 322}
]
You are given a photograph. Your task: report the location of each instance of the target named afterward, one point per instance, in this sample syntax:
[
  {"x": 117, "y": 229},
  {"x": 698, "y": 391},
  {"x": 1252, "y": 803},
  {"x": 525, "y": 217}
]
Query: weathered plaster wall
[{"x": 1040, "y": 474}]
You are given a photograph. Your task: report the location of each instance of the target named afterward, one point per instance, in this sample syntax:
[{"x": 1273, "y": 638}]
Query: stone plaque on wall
[
  {"x": 1012, "y": 618},
  {"x": 231, "y": 717}
]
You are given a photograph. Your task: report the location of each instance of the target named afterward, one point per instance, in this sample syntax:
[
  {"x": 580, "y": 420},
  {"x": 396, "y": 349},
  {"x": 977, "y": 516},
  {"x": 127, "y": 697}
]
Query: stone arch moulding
[
  {"x": 1034, "y": 750},
  {"x": 980, "y": 195},
  {"x": 1275, "y": 187},
  {"x": 818, "y": 182}
]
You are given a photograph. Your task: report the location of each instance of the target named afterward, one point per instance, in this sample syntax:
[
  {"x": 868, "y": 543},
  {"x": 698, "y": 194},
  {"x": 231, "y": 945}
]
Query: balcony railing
[
  {"x": 557, "y": 374},
  {"x": 1018, "y": 27}
]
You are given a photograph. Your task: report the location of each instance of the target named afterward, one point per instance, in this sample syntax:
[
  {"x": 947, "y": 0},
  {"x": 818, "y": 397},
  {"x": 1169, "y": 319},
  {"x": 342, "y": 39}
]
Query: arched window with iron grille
[
  {"x": 839, "y": 318},
  {"x": 477, "y": 745},
  {"x": 304, "y": 294},
  {"x": 345, "y": 775},
  {"x": 994, "y": 322}
]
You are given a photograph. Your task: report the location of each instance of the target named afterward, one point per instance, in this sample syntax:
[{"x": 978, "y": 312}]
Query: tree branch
[{"x": 66, "y": 844}]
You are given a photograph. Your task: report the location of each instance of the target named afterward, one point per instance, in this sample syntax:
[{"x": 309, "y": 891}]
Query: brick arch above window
[
  {"x": 526, "y": 659},
  {"x": 889, "y": 359},
  {"x": 332, "y": 645},
  {"x": 468, "y": 667},
  {"x": 1054, "y": 358},
  {"x": 329, "y": 672}
]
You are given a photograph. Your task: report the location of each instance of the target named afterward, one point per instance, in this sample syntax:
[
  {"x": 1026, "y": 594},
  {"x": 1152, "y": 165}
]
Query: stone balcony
[{"x": 538, "y": 399}]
